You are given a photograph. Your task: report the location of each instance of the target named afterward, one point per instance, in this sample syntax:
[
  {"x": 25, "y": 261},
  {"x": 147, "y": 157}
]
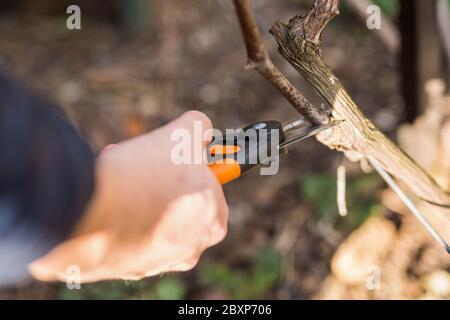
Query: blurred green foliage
[
  {"x": 320, "y": 190},
  {"x": 249, "y": 283},
  {"x": 390, "y": 7},
  {"x": 170, "y": 287},
  {"x": 136, "y": 14},
  {"x": 102, "y": 290}
]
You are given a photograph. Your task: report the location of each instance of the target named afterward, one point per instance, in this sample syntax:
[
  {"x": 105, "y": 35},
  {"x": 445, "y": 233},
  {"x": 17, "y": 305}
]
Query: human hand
[{"x": 147, "y": 216}]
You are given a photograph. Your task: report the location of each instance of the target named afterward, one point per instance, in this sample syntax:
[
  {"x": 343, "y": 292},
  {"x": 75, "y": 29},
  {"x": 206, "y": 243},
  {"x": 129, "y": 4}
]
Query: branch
[
  {"x": 259, "y": 59},
  {"x": 300, "y": 43}
]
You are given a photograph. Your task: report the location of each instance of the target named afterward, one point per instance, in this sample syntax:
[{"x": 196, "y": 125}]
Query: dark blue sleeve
[{"x": 46, "y": 178}]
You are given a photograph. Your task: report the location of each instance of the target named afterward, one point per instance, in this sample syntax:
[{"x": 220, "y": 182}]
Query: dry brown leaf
[{"x": 366, "y": 247}]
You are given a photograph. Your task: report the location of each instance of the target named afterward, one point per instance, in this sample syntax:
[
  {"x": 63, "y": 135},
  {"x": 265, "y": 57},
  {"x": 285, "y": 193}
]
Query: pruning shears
[{"x": 233, "y": 154}]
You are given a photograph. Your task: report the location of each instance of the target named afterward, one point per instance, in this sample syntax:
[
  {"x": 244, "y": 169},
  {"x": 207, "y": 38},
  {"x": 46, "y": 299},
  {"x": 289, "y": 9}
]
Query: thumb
[
  {"x": 195, "y": 122},
  {"x": 83, "y": 252}
]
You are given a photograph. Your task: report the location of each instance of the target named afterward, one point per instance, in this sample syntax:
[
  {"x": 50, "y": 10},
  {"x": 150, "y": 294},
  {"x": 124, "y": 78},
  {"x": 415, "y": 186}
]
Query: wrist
[{"x": 104, "y": 200}]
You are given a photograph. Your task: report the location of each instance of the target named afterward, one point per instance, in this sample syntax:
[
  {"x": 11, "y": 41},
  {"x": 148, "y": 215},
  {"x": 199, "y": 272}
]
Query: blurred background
[{"x": 137, "y": 64}]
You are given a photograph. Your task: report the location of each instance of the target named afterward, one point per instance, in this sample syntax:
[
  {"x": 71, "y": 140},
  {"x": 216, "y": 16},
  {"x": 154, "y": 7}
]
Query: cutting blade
[{"x": 301, "y": 129}]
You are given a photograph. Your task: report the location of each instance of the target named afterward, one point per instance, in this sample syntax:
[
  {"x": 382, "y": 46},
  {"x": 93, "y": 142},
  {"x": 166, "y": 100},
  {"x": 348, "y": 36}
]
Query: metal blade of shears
[{"x": 298, "y": 130}]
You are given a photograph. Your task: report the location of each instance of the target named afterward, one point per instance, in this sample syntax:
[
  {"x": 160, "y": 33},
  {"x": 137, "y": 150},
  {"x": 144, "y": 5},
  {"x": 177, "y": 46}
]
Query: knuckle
[
  {"x": 189, "y": 264},
  {"x": 218, "y": 233},
  {"x": 195, "y": 115},
  {"x": 223, "y": 232}
]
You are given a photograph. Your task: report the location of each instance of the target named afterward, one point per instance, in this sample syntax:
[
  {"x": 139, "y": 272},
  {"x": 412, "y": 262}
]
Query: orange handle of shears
[
  {"x": 235, "y": 154},
  {"x": 227, "y": 169},
  {"x": 226, "y": 172}
]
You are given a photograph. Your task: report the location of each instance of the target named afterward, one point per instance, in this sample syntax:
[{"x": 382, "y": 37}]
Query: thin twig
[
  {"x": 259, "y": 59},
  {"x": 341, "y": 191},
  {"x": 408, "y": 203}
]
